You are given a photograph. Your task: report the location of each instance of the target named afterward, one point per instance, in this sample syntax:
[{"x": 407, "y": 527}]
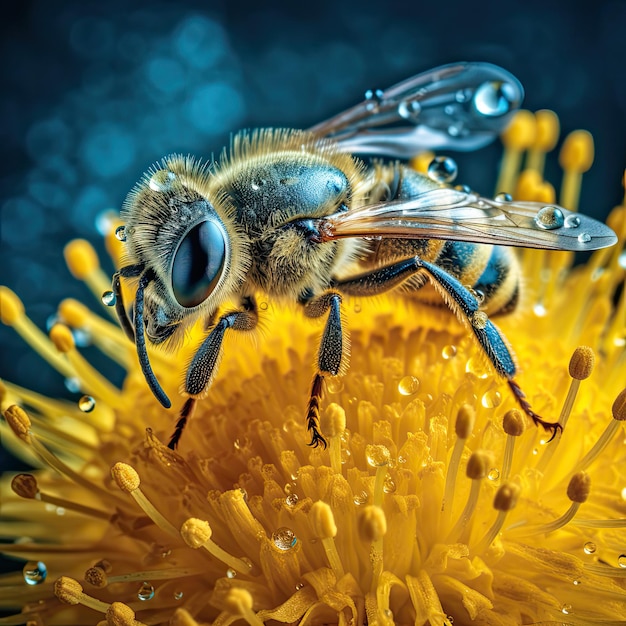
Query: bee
[{"x": 299, "y": 217}]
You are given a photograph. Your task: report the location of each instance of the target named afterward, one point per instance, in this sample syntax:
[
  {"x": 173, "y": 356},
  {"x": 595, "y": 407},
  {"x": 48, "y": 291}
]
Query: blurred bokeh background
[{"x": 94, "y": 92}]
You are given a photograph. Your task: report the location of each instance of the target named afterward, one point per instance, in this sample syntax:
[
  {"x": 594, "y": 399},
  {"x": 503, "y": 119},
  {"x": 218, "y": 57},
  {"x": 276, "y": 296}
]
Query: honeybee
[{"x": 298, "y": 216}]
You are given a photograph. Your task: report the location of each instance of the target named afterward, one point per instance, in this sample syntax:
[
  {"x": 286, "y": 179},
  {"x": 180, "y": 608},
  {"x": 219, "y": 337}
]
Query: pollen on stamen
[
  {"x": 582, "y": 362},
  {"x": 25, "y": 486}
]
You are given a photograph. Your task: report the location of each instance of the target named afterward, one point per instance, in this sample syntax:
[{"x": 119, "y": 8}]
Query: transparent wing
[
  {"x": 461, "y": 106},
  {"x": 452, "y": 214}
]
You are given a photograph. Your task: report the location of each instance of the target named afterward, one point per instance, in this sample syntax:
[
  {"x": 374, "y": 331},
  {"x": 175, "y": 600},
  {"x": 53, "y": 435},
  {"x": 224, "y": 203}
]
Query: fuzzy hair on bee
[{"x": 299, "y": 217}]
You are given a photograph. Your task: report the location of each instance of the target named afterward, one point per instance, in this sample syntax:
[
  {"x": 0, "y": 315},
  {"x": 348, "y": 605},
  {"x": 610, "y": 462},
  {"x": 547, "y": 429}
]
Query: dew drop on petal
[
  {"x": 589, "y": 547},
  {"x": 120, "y": 233},
  {"x": 566, "y": 609},
  {"x": 539, "y": 310},
  {"x": 162, "y": 180},
  {"x": 621, "y": 560},
  {"x": 146, "y": 592},
  {"x": 334, "y": 384},
  {"x": 263, "y": 306},
  {"x": 584, "y": 238},
  {"x": 108, "y": 298},
  {"x": 35, "y": 572},
  {"x": 442, "y": 169},
  {"x": 576, "y": 582},
  {"x": 491, "y": 399},
  {"x": 572, "y": 221},
  {"x": 475, "y": 365},
  {"x": 504, "y": 197},
  {"x": 231, "y": 573},
  {"x": 389, "y": 486},
  {"x": 345, "y": 455},
  {"x": 86, "y": 404},
  {"x": 549, "y": 218},
  {"x": 291, "y": 499},
  {"x": 360, "y": 498},
  {"x": 408, "y": 385},
  {"x": 377, "y": 455},
  {"x": 284, "y": 538},
  {"x": 299, "y": 586},
  {"x": 448, "y": 352},
  {"x": 178, "y": 595}
]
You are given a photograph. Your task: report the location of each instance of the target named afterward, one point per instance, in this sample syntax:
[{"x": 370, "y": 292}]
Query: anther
[
  {"x": 68, "y": 590},
  {"x": 81, "y": 258},
  {"x": 19, "y": 422},
  {"x": 465, "y": 419},
  {"x": 324, "y": 527},
  {"x": 478, "y": 465},
  {"x": 504, "y": 501},
  {"x": 548, "y": 128},
  {"x": 11, "y": 307},
  {"x": 96, "y": 577},
  {"x": 517, "y": 137},
  {"x": 62, "y": 338},
  {"x": 582, "y": 362},
  {"x": 575, "y": 158},
  {"x": 182, "y": 617},
  {"x": 579, "y": 487},
  {"x": 619, "y": 407},
  {"x": 75, "y": 313},
  {"x": 372, "y": 523},
  {"x": 239, "y": 602},
  {"x": 25, "y": 486},
  {"x": 120, "y": 614},
  {"x": 514, "y": 425},
  {"x": 333, "y": 423},
  {"x": 125, "y": 477}
]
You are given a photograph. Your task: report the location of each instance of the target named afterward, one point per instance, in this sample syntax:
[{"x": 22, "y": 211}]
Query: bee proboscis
[{"x": 297, "y": 216}]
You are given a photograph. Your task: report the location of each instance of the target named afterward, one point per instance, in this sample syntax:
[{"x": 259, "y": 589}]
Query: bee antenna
[{"x": 140, "y": 342}]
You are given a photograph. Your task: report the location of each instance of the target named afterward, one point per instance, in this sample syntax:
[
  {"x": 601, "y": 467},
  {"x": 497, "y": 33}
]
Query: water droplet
[
  {"x": 60, "y": 510},
  {"x": 231, "y": 573},
  {"x": 539, "y": 309},
  {"x": 35, "y": 572},
  {"x": 479, "y": 320},
  {"x": 244, "y": 494},
  {"x": 463, "y": 188},
  {"x": 120, "y": 233},
  {"x": 284, "y": 538},
  {"x": 549, "y": 218},
  {"x": 146, "y": 592},
  {"x": 263, "y": 306},
  {"x": 108, "y": 298},
  {"x": 572, "y": 221},
  {"x": 86, "y": 404},
  {"x": 442, "y": 169},
  {"x": 178, "y": 595},
  {"x": 589, "y": 547},
  {"x": 409, "y": 110},
  {"x": 576, "y": 582},
  {"x": 461, "y": 95},
  {"x": 450, "y": 619},
  {"x": 494, "y": 473},
  {"x": 408, "y": 385},
  {"x": 566, "y": 609},
  {"x": 621, "y": 560},
  {"x": 494, "y": 98},
  {"x": 72, "y": 384},
  {"x": 504, "y": 197},
  {"x": 374, "y": 98},
  {"x": 377, "y": 455},
  {"x": 389, "y": 486},
  {"x": 345, "y": 455},
  {"x": 334, "y": 384},
  {"x": 357, "y": 307},
  {"x": 237, "y": 444},
  {"x": 584, "y": 238},
  {"x": 360, "y": 498},
  {"x": 299, "y": 586},
  {"x": 291, "y": 499},
  {"x": 448, "y": 352},
  {"x": 162, "y": 180},
  {"x": 491, "y": 399},
  {"x": 621, "y": 260}
]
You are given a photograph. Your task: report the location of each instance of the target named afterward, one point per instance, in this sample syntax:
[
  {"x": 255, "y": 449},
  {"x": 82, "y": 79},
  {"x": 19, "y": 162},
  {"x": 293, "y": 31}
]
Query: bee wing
[
  {"x": 461, "y": 106},
  {"x": 446, "y": 213}
]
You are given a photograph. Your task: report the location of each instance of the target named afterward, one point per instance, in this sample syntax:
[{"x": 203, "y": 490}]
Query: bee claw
[{"x": 317, "y": 440}]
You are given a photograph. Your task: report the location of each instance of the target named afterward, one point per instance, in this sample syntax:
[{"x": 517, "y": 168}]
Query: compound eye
[{"x": 198, "y": 263}]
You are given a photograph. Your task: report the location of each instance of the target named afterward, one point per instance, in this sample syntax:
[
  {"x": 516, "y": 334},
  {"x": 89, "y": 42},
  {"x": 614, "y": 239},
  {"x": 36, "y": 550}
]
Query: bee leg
[
  {"x": 462, "y": 303},
  {"x": 129, "y": 271},
  {"x": 204, "y": 363},
  {"x": 140, "y": 342},
  {"x": 330, "y": 357}
]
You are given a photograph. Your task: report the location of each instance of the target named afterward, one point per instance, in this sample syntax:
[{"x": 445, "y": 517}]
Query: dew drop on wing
[
  {"x": 572, "y": 221},
  {"x": 584, "y": 238},
  {"x": 550, "y": 218},
  {"x": 442, "y": 169},
  {"x": 494, "y": 98},
  {"x": 504, "y": 197}
]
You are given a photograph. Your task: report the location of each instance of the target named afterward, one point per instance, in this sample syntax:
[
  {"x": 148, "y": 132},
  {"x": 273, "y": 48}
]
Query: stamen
[
  {"x": 333, "y": 424},
  {"x": 89, "y": 377},
  {"x": 545, "y": 140},
  {"x": 324, "y": 527},
  {"x": 578, "y": 492},
  {"x": 239, "y": 602},
  {"x": 378, "y": 456},
  {"x": 196, "y": 533},
  {"x": 120, "y": 614},
  {"x": 128, "y": 480},
  {"x": 97, "y": 577},
  {"x": 464, "y": 425},
  {"x": 504, "y": 501},
  {"x": 514, "y": 426},
  {"x": 575, "y": 158},
  {"x": 12, "y": 314},
  {"x": 477, "y": 468},
  {"x": 372, "y": 525},
  {"x": 619, "y": 415},
  {"x": 181, "y": 617},
  {"x": 518, "y": 136},
  {"x": 580, "y": 367},
  {"x": 25, "y": 486},
  {"x": 82, "y": 261},
  {"x": 69, "y": 591}
]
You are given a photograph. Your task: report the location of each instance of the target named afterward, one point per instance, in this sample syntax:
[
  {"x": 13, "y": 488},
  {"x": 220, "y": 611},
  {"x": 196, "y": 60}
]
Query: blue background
[{"x": 94, "y": 92}]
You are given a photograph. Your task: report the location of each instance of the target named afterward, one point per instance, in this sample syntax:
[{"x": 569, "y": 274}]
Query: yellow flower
[{"x": 435, "y": 502}]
